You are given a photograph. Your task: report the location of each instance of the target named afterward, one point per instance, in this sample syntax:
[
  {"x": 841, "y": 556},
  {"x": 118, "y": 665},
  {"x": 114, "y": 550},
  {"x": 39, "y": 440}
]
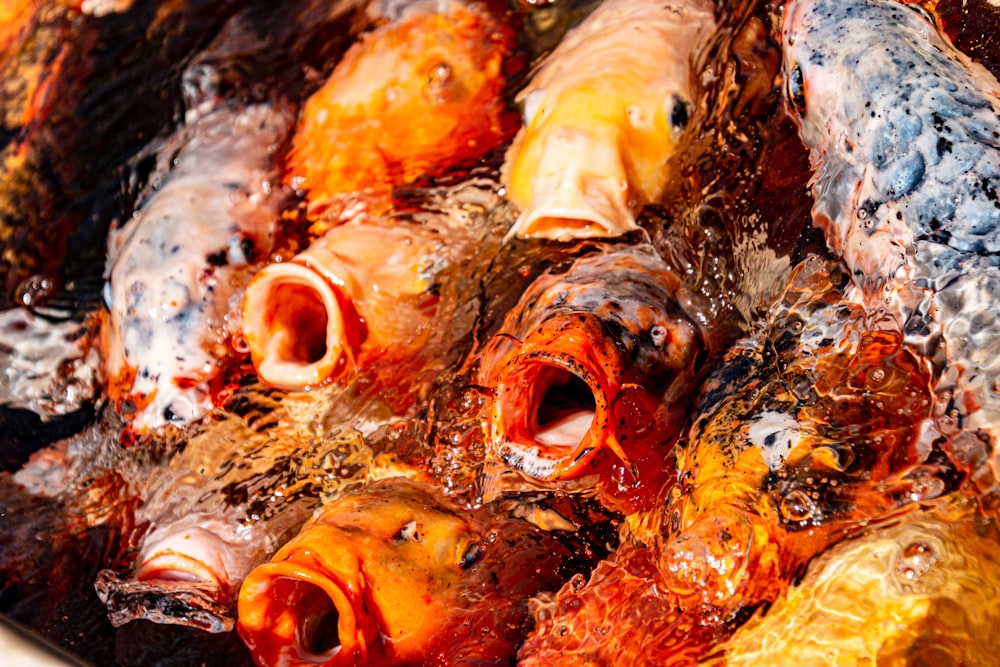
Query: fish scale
[{"x": 905, "y": 141}]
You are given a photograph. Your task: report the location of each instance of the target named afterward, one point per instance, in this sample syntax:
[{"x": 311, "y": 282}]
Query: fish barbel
[{"x": 905, "y": 141}]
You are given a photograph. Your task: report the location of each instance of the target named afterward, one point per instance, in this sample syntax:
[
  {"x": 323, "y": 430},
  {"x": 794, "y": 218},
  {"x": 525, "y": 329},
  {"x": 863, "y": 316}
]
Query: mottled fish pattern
[{"x": 905, "y": 140}]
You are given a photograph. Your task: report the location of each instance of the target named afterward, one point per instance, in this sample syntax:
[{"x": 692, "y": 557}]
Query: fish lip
[
  {"x": 192, "y": 554},
  {"x": 270, "y": 338},
  {"x": 527, "y": 373},
  {"x": 273, "y": 629}
]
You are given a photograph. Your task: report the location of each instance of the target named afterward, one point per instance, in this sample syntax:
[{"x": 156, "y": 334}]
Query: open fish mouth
[
  {"x": 550, "y": 413},
  {"x": 294, "y": 614},
  {"x": 295, "y": 321}
]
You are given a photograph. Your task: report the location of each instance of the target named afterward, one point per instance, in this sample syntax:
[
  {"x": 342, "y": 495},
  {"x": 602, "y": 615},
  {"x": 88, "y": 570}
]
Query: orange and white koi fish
[{"x": 175, "y": 269}]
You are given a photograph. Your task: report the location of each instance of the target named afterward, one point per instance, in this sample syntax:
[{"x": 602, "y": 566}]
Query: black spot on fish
[
  {"x": 991, "y": 192},
  {"x": 217, "y": 259}
]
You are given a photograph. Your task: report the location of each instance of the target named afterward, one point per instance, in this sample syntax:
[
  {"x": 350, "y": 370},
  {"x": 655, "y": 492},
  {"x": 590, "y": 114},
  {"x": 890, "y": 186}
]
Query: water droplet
[
  {"x": 917, "y": 558},
  {"x": 438, "y": 80},
  {"x": 797, "y": 506},
  {"x": 862, "y": 214},
  {"x": 577, "y": 582},
  {"x": 659, "y": 335},
  {"x": 877, "y": 375},
  {"x": 34, "y": 290}
]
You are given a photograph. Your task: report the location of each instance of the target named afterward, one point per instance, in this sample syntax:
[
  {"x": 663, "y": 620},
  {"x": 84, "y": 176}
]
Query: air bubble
[
  {"x": 917, "y": 558},
  {"x": 797, "y": 506},
  {"x": 34, "y": 290}
]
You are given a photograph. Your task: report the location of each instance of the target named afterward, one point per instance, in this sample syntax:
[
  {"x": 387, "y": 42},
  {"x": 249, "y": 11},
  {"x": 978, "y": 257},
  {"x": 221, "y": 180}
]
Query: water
[{"x": 733, "y": 230}]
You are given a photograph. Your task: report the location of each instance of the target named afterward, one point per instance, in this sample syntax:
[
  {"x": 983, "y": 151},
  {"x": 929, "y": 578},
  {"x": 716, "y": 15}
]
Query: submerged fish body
[
  {"x": 176, "y": 270},
  {"x": 588, "y": 373},
  {"x": 395, "y": 574},
  {"x": 905, "y": 140},
  {"x": 601, "y": 117},
  {"x": 921, "y": 585},
  {"x": 416, "y": 96},
  {"x": 905, "y": 137}
]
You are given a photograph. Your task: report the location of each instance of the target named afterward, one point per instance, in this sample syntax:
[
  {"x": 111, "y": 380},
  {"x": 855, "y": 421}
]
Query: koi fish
[
  {"x": 416, "y": 96},
  {"x": 811, "y": 428},
  {"x": 304, "y": 320},
  {"x": 922, "y": 584},
  {"x": 211, "y": 512},
  {"x": 905, "y": 142},
  {"x": 175, "y": 270},
  {"x": 394, "y": 573},
  {"x": 588, "y": 372},
  {"x": 601, "y": 116}
]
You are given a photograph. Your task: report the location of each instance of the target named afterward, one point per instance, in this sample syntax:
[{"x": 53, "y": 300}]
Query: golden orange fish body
[
  {"x": 922, "y": 585},
  {"x": 411, "y": 98}
]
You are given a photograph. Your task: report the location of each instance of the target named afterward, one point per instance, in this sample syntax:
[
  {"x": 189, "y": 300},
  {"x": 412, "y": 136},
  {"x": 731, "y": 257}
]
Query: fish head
[{"x": 378, "y": 575}]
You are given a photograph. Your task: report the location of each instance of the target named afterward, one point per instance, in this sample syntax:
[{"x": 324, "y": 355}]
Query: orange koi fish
[
  {"x": 395, "y": 574},
  {"x": 415, "y": 97},
  {"x": 589, "y": 373}
]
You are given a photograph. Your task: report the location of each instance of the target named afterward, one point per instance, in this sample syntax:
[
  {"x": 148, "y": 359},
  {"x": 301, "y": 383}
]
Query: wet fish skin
[
  {"x": 619, "y": 359},
  {"x": 175, "y": 270},
  {"x": 417, "y": 96},
  {"x": 394, "y": 573},
  {"x": 922, "y": 584},
  {"x": 810, "y": 428},
  {"x": 905, "y": 140},
  {"x": 911, "y": 151}
]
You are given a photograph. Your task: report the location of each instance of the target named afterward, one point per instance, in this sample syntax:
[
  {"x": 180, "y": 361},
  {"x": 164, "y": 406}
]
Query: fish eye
[
  {"x": 678, "y": 113},
  {"x": 795, "y": 90},
  {"x": 470, "y": 556}
]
